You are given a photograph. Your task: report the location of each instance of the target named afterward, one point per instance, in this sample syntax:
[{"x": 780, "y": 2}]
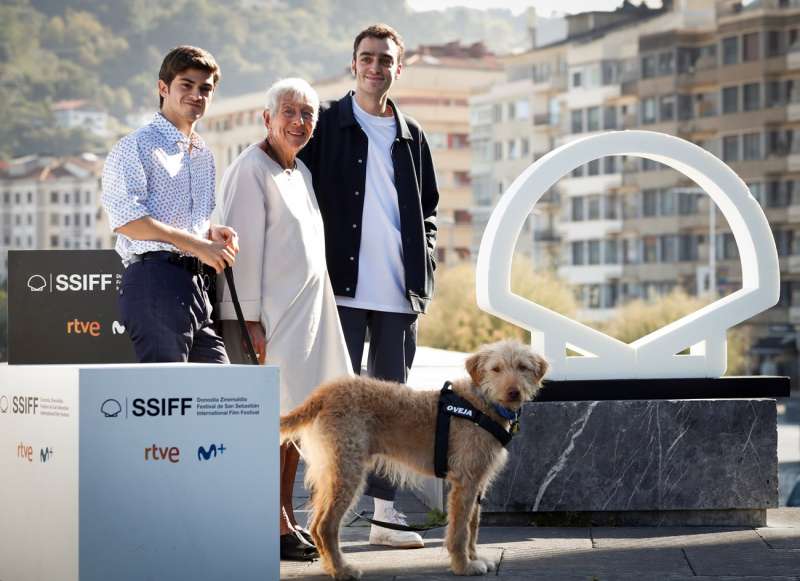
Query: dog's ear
[
  {"x": 474, "y": 365},
  {"x": 540, "y": 366}
]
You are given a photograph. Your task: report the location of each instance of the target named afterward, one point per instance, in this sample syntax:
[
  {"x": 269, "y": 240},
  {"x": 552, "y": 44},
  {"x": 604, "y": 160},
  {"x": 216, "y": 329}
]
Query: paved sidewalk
[{"x": 586, "y": 554}]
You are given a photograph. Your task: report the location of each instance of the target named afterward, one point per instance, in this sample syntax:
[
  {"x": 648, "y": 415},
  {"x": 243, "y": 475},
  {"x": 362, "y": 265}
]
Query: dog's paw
[
  {"x": 490, "y": 564},
  {"x": 473, "y": 568},
  {"x": 347, "y": 573}
]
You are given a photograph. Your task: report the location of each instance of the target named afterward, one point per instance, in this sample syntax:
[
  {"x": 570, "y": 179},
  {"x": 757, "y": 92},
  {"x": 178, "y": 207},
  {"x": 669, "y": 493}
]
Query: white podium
[{"x": 133, "y": 472}]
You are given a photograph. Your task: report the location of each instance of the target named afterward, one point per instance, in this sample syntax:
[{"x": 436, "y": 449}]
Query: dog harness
[{"x": 451, "y": 404}]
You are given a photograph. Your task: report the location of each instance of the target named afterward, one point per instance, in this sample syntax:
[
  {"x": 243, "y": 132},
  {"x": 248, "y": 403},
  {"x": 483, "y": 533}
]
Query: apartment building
[
  {"x": 722, "y": 74},
  {"x": 51, "y": 203},
  {"x": 433, "y": 88}
]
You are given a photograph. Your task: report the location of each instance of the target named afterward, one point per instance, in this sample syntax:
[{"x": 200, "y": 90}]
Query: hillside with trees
[{"x": 108, "y": 52}]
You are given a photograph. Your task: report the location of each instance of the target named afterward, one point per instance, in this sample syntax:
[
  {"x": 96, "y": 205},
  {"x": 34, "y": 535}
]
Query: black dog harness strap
[{"x": 451, "y": 404}]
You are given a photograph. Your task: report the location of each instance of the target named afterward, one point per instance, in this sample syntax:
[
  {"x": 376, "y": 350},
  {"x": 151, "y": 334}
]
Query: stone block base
[{"x": 642, "y": 457}]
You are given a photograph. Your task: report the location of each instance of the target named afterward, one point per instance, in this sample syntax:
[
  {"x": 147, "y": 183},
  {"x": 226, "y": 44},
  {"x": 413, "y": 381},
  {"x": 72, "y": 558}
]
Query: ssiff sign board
[
  {"x": 62, "y": 307},
  {"x": 130, "y": 472}
]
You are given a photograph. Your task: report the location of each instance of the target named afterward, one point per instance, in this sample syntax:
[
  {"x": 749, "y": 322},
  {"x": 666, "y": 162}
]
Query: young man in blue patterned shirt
[{"x": 158, "y": 190}]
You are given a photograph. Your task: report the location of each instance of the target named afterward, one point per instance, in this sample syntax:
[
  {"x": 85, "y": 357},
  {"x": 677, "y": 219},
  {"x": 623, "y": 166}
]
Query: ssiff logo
[
  {"x": 111, "y": 408},
  {"x": 37, "y": 283},
  {"x": 3, "y": 404},
  {"x": 213, "y": 450}
]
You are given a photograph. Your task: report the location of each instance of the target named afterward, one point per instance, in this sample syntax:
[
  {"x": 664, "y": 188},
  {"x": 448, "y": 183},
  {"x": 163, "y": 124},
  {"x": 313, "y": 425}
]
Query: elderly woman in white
[{"x": 281, "y": 276}]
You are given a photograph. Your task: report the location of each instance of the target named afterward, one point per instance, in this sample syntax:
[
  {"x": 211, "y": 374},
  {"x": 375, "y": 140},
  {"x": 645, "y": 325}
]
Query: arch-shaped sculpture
[{"x": 654, "y": 355}]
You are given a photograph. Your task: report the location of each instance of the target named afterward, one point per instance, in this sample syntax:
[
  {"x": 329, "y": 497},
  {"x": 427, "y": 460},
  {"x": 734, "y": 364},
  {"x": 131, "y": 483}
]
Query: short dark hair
[
  {"x": 185, "y": 57},
  {"x": 380, "y": 31}
]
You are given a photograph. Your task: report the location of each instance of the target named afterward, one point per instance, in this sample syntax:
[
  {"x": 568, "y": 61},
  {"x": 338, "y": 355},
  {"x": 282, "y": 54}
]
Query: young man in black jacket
[{"x": 375, "y": 184}]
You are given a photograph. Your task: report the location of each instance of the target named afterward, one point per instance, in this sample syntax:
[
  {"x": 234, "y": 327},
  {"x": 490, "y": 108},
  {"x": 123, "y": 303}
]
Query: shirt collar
[
  {"x": 346, "y": 117},
  {"x": 168, "y": 130}
]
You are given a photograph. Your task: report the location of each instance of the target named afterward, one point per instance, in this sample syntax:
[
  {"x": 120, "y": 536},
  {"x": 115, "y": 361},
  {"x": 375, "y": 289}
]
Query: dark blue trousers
[
  {"x": 392, "y": 346},
  {"x": 167, "y": 313}
]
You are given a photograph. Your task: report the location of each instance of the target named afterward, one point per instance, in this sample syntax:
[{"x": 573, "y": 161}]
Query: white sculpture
[{"x": 654, "y": 355}]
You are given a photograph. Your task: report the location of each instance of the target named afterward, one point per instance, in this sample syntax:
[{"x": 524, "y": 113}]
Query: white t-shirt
[{"x": 381, "y": 282}]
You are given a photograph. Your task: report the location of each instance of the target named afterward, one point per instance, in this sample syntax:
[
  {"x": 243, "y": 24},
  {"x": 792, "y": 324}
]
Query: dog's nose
[{"x": 513, "y": 394}]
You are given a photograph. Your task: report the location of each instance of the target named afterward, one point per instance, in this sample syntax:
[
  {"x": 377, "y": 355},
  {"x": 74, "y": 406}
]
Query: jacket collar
[{"x": 347, "y": 119}]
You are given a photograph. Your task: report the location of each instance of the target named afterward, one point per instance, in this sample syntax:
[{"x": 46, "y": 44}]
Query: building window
[
  {"x": 577, "y": 253},
  {"x": 525, "y": 147},
  {"x": 594, "y": 251},
  {"x": 609, "y": 165},
  {"x": 648, "y": 110},
  {"x": 706, "y": 104},
  {"x": 687, "y": 246},
  {"x": 54, "y": 241},
  {"x": 649, "y": 203},
  {"x": 773, "y": 97},
  {"x": 498, "y": 151},
  {"x": 666, "y": 63},
  {"x": 593, "y": 207},
  {"x": 730, "y": 148},
  {"x": 750, "y": 50},
  {"x": 666, "y": 202},
  {"x": 609, "y": 117},
  {"x": 751, "y": 96},
  {"x": 611, "y": 252},
  {"x": 577, "y": 121},
  {"x": 53, "y": 219},
  {"x": 497, "y": 113},
  {"x": 593, "y": 119},
  {"x": 523, "y": 109},
  {"x": 577, "y": 172},
  {"x": 730, "y": 50},
  {"x": 577, "y": 79},
  {"x": 593, "y": 168},
  {"x": 512, "y": 149},
  {"x": 730, "y": 100},
  {"x": 774, "y": 43},
  {"x": 669, "y": 251},
  {"x": 684, "y": 107},
  {"x": 577, "y": 209},
  {"x": 667, "y": 108},
  {"x": 648, "y": 66},
  {"x": 611, "y": 207},
  {"x": 751, "y": 146},
  {"x": 650, "y": 249},
  {"x": 512, "y": 111}
]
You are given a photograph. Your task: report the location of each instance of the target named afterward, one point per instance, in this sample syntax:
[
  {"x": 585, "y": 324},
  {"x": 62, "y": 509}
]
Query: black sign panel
[{"x": 62, "y": 307}]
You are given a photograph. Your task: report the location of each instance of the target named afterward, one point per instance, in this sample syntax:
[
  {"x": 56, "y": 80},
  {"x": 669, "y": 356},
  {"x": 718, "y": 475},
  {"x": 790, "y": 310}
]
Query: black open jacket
[{"x": 337, "y": 158}]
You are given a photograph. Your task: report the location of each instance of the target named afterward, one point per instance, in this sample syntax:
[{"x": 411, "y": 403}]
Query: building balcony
[
  {"x": 541, "y": 119},
  {"x": 794, "y": 315},
  {"x": 792, "y": 264},
  {"x": 793, "y": 162}
]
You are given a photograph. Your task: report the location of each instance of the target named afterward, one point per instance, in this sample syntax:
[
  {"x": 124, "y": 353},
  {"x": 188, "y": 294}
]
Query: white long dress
[{"x": 280, "y": 274}]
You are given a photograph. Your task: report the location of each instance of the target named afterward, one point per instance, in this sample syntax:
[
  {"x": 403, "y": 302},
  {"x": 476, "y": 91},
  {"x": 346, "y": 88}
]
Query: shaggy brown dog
[{"x": 349, "y": 425}]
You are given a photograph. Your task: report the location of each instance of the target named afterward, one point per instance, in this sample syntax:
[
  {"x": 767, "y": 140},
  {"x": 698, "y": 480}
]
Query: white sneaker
[{"x": 391, "y": 538}]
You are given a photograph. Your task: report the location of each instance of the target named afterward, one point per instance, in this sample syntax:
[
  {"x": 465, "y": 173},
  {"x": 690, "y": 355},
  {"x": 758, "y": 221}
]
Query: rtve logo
[
  {"x": 157, "y": 453},
  {"x": 78, "y": 327},
  {"x": 25, "y": 452}
]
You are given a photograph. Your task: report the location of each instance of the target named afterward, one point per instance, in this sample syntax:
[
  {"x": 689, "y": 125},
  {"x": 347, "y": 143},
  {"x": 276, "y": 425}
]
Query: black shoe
[
  {"x": 306, "y": 534},
  {"x": 295, "y": 548}
]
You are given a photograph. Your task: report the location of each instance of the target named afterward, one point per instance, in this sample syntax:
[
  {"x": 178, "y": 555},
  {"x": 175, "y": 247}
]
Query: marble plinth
[{"x": 582, "y": 459}]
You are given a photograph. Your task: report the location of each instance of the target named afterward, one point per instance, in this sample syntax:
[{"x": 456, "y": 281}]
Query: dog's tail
[{"x": 294, "y": 422}]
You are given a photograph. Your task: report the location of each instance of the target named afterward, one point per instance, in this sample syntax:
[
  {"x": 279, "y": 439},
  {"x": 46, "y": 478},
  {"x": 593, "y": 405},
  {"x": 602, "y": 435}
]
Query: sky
[{"x": 543, "y": 7}]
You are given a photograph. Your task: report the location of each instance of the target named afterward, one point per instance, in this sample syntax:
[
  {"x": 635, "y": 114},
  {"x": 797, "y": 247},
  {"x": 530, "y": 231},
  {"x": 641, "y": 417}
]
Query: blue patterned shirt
[{"x": 153, "y": 172}]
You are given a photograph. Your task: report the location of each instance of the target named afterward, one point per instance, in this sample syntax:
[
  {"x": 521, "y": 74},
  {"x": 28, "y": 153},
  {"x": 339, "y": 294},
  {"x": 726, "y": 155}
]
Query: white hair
[{"x": 294, "y": 87}]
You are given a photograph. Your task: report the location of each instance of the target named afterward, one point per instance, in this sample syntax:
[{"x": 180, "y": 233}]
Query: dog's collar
[{"x": 506, "y": 413}]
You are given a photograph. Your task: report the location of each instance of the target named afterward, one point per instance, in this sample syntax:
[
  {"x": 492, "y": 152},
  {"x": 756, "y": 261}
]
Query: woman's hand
[{"x": 259, "y": 339}]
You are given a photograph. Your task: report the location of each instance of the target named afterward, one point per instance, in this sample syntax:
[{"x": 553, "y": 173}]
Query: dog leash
[
  {"x": 394, "y": 526},
  {"x": 251, "y": 352}
]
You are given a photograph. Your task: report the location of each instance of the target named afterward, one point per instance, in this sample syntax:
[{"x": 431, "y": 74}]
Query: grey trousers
[{"x": 392, "y": 345}]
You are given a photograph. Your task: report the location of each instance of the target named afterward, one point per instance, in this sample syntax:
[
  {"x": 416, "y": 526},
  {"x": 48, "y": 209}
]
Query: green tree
[
  {"x": 455, "y": 322},
  {"x": 639, "y": 318}
]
